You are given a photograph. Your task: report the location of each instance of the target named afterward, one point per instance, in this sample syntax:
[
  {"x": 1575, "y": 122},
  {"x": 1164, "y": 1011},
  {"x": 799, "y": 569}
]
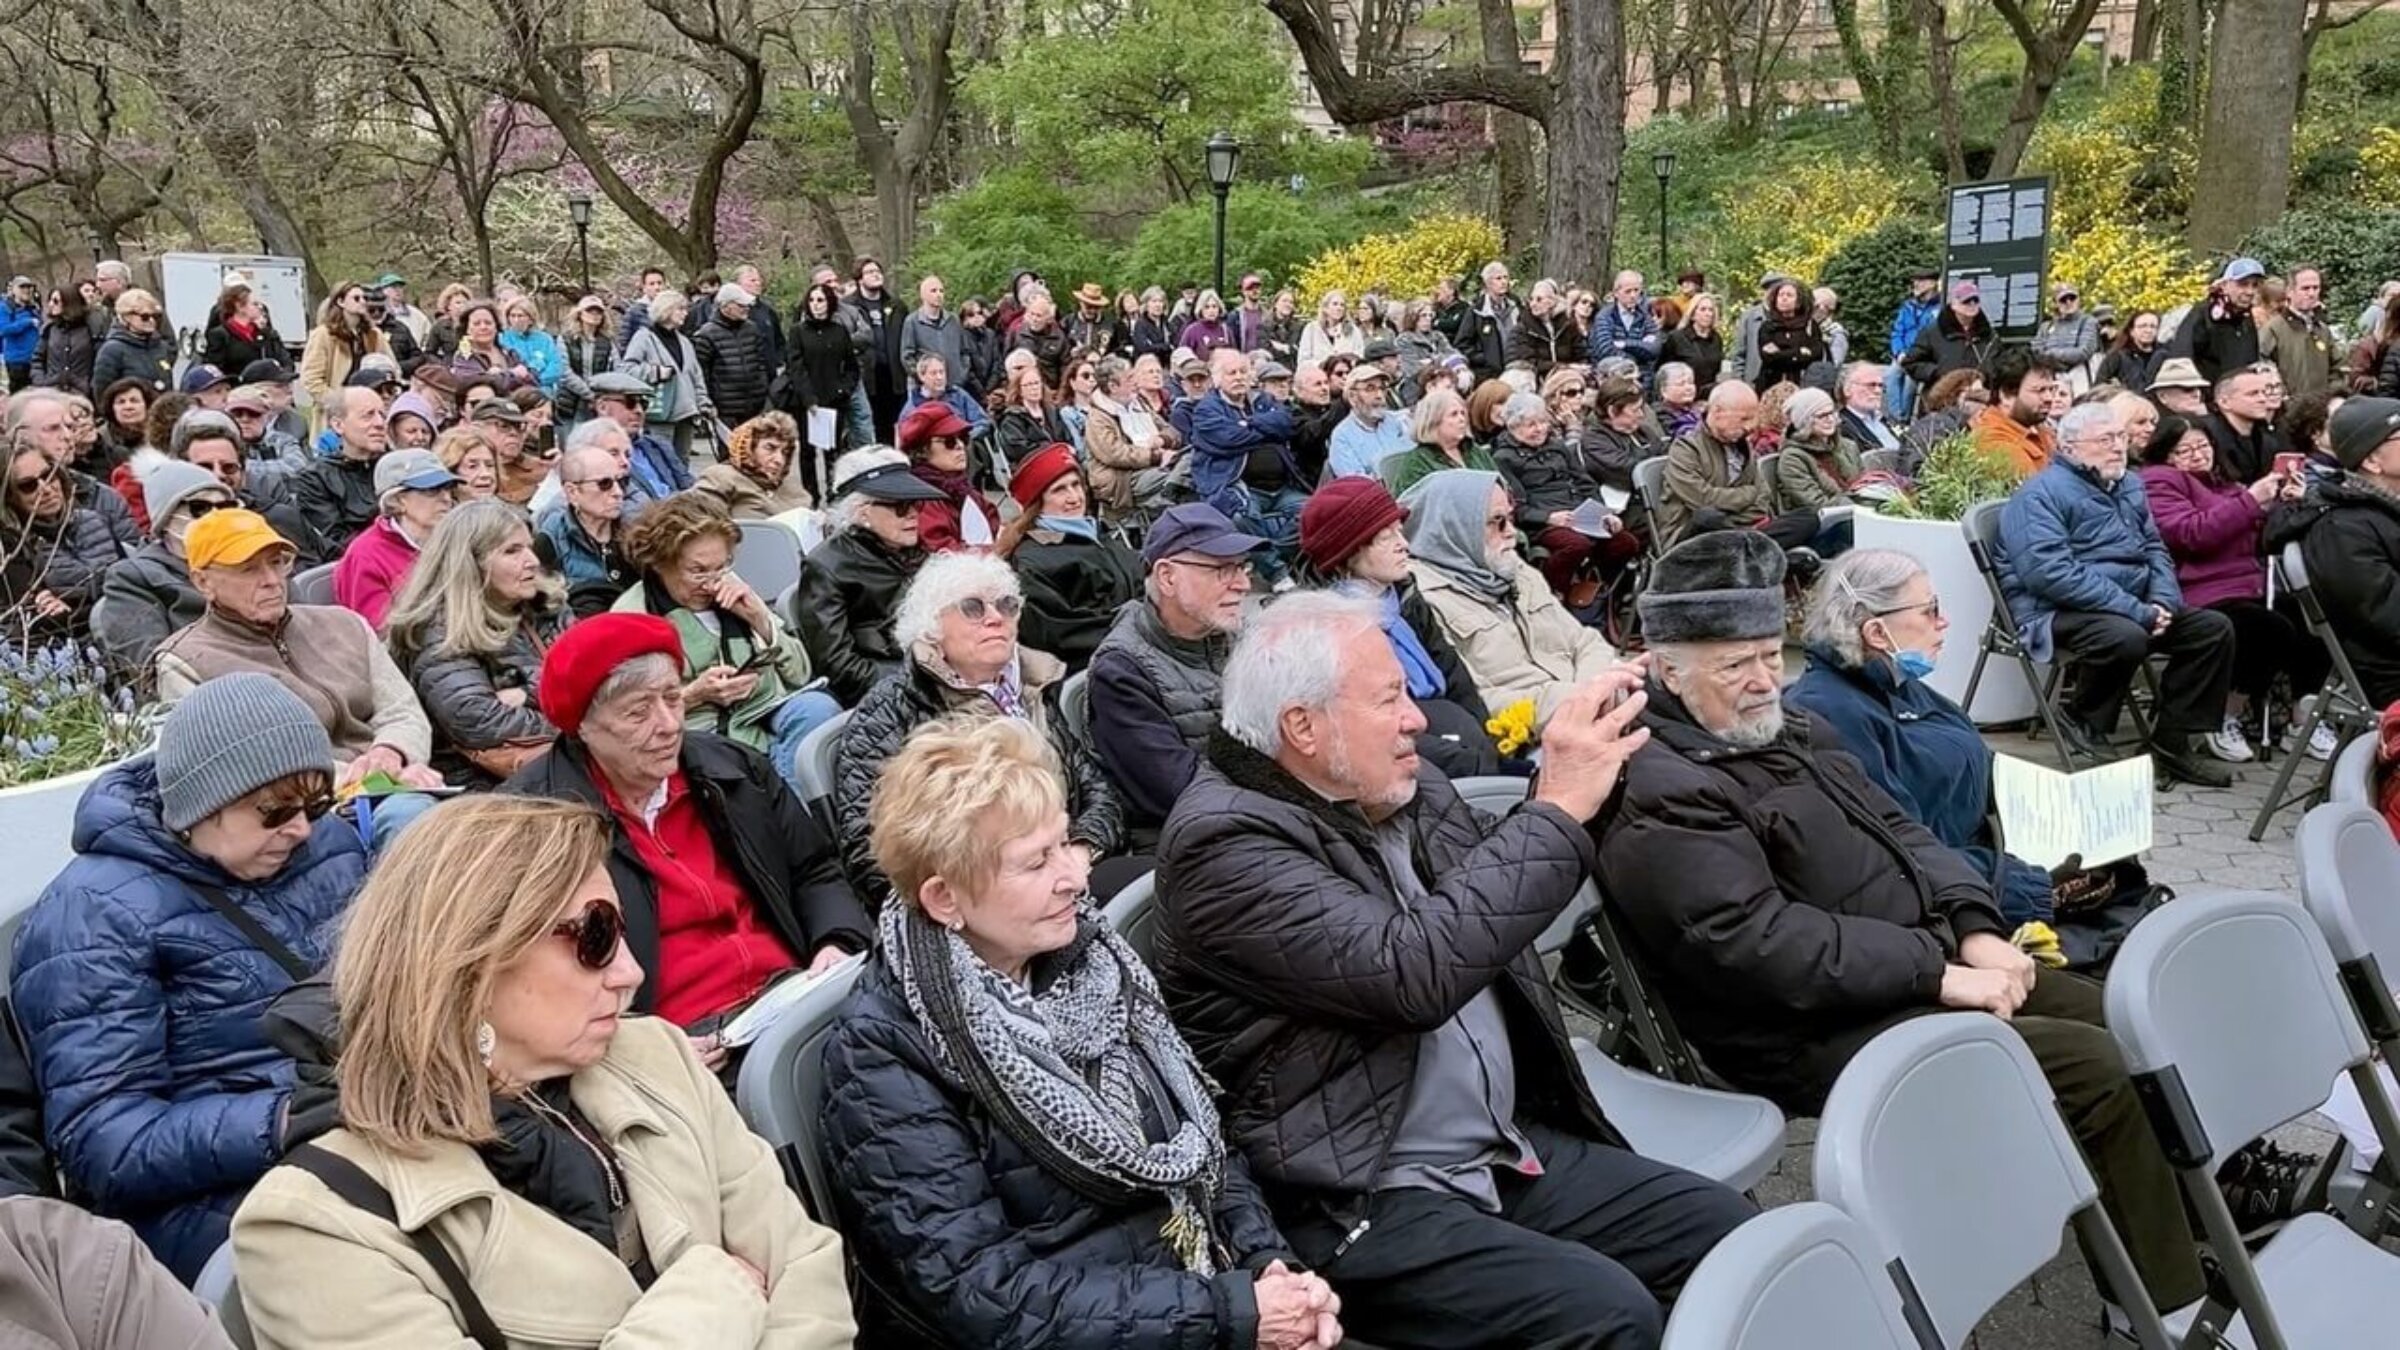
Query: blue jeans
[
  {"x": 1274, "y": 517},
  {"x": 1898, "y": 392},
  {"x": 381, "y": 819},
  {"x": 799, "y": 715},
  {"x": 861, "y": 419}
]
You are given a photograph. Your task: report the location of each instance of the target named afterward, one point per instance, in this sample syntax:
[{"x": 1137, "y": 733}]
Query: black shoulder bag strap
[
  {"x": 351, "y": 1182},
  {"x": 253, "y": 930}
]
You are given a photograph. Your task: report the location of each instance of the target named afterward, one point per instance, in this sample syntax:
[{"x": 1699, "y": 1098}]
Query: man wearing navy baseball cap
[
  {"x": 2351, "y": 546},
  {"x": 2222, "y": 336},
  {"x": 1157, "y": 678}
]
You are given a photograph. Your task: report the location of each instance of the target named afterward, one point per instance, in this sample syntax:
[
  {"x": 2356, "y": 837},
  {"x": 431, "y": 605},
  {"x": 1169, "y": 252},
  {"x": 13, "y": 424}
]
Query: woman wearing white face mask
[{"x": 1874, "y": 632}]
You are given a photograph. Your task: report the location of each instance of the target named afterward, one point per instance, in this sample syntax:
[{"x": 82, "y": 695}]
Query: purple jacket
[{"x": 2211, "y": 529}]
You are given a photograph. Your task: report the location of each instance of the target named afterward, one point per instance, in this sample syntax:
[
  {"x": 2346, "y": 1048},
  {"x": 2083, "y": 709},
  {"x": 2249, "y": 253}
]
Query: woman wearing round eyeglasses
[
  {"x": 207, "y": 880},
  {"x": 580, "y": 1173},
  {"x": 746, "y": 677},
  {"x": 958, "y": 624},
  {"x": 1874, "y": 630},
  {"x": 54, "y": 554}
]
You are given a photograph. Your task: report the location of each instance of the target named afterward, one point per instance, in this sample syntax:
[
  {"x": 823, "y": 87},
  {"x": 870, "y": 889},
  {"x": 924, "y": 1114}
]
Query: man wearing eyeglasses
[
  {"x": 2242, "y": 430},
  {"x": 336, "y": 492},
  {"x": 1959, "y": 338},
  {"x": 2090, "y": 583},
  {"x": 579, "y": 538},
  {"x": 138, "y": 345},
  {"x": 212, "y": 441},
  {"x": 1157, "y": 678}
]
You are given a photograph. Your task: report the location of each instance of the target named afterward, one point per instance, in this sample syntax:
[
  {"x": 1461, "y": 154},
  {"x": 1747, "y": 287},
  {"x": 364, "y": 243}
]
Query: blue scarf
[
  {"x": 1081, "y": 527},
  {"x": 1424, "y": 677}
]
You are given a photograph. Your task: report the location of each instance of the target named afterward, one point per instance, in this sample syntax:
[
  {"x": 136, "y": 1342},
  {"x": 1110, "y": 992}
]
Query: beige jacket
[
  {"x": 317, "y": 1273},
  {"x": 327, "y": 655},
  {"x": 1533, "y": 649}
]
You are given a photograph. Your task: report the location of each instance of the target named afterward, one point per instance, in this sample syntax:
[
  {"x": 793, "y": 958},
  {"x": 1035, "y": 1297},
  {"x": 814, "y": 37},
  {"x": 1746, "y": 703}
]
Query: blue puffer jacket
[
  {"x": 2068, "y": 541},
  {"x": 141, "y": 1004},
  {"x": 946, "y": 1210}
]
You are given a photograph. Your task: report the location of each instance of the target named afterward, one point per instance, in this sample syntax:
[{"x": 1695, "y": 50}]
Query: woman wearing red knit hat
[
  {"x": 1076, "y": 574},
  {"x": 1350, "y": 543}
]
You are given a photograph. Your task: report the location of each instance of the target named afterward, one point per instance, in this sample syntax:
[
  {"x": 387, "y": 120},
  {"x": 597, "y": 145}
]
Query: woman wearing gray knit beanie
[{"x": 207, "y": 879}]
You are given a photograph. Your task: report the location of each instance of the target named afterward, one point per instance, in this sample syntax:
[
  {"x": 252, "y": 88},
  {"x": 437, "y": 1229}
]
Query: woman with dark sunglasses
[
  {"x": 958, "y": 623},
  {"x": 575, "y": 1168},
  {"x": 54, "y": 552},
  {"x": 207, "y": 880}
]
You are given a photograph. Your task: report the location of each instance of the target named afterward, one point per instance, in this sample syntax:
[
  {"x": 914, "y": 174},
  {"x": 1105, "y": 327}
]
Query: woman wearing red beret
[
  {"x": 1075, "y": 574},
  {"x": 1350, "y": 543}
]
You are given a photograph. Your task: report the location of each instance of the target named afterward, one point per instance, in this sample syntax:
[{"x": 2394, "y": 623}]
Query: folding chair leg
[
  {"x": 1975, "y": 679},
  {"x": 2117, "y": 1275},
  {"x": 2291, "y": 764},
  {"x": 2240, "y": 1277},
  {"x": 2045, "y": 703}
]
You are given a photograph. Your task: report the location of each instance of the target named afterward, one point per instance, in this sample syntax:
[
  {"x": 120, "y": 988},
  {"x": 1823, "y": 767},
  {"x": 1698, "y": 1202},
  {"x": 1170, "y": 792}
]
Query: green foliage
[
  {"x": 1955, "y": 476},
  {"x": 2357, "y": 244},
  {"x": 1870, "y": 273},
  {"x": 58, "y": 716},
  {"x": 1130, "y": 96},
  {"x": 1019, "y": 218},
  {"x": 1267, "y": 230}
]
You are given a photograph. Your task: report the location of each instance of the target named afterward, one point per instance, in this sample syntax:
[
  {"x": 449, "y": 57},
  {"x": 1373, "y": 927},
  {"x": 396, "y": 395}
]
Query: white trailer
[{"x": 190, "y": 282}]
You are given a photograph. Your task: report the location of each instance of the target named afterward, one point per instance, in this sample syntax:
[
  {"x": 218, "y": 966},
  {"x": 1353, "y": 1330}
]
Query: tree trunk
[
  {"x": 1586, "y": 135},
  {"x": 2182, "y": 40},
  {"x": 2047, "y": 52},
  {"x": 1941, "y": 78},
  {"x": 2144, "y": 46},
  {"x": 1518, "y": 203},
  {"x": 2245, "y": 170},
  {"x": 831, "y": 225}
]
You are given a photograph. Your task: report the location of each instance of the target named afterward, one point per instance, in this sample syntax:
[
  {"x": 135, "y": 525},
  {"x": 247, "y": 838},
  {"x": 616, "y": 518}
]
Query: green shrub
[
  {"x": 2357, "y": 245},
  {"x": 1021, "y": 218},
  {"x": 1955, "y": 476},
  {"x": 1870, "y": 273},
  {"x": 1267, "y": 230}
]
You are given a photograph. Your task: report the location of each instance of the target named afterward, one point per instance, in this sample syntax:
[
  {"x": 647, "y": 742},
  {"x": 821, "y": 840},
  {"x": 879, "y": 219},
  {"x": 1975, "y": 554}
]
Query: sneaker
[
  {"x": 2324, "y": 741},
  {"x": 2229, "y": 744},
  {"x": 2267, "y": 1186}
]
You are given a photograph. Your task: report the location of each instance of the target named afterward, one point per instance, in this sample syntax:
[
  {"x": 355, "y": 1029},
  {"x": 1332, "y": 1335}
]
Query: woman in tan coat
[
  {"x": 578, "y": 1171},
  {"x": 1127, "y": 446},
  {"x": 343, "y": 337}
]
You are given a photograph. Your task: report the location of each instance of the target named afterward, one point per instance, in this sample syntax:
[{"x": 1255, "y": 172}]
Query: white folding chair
[
  {"x": 1075, "y": 700},
  {"x": 1802, "y": 1277},
  {"x": 1133, "y": 912},
  {"x": 1925, "y": 1094},
  {"x": 781, "y": 1088},
  {"x": 813, "y": 758},
  {"x": 2353, "y": 771},
  {"x": 1497, "y": 796},
  {"x": 2341, "y": 701},
  {"x": 2349, "y": 876},
  {"x": 1650, "y": 484},
  {"x": 314, "y": 586},
  {"x": 2232, "y": 1019},
  {"x": 216, "y": 1288}
]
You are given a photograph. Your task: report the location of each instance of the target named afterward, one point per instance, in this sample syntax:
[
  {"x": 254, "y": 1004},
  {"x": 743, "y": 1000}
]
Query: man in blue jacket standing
[
  {"x": 1626, "y": 327},
  {"x": 1242, "y": 461},
  {"x": 2090, "y": 581},
  {"x": 20, "y": 330},
  {"x": 1924, "y": 302}
]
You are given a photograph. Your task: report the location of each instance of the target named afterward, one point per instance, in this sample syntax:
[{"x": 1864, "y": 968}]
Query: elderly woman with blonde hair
[
  {"x": 1027, "y": 1152},
  {"x": 518, "y": 1162},
  {"x": 958, "y": 627},
  {"x": 756, "y": 481}
]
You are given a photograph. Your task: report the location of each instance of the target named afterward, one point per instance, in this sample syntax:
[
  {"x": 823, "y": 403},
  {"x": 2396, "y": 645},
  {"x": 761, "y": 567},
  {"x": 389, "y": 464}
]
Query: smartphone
[
  {"x": 761, "y": 657},
  {"x": 2290, "y": 463}
]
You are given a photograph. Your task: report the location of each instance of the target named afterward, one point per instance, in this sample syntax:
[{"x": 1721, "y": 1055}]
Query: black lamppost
[
  {"x": 1224, "y": 156},
  {"x": 1663, "y": 165},
  {"x": 579, "y": 210},
  {"x": 99, "y": 243}
]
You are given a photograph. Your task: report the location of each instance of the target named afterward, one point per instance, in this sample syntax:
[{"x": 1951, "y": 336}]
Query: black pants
[
  {"x": 2270, "y": 642},
  {"x": 1454, "y": 742},
  {"x": 20, "y": 375},
  {"x": 1789, "y": 529},
  {"x": 2107, "y": 650},
  {"x": 1584, "y": 1257}
]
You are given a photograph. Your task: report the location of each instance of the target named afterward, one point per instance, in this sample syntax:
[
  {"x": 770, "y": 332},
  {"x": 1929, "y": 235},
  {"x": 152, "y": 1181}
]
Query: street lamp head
[
  {"x": 579, "y": 208},
  {"x": 1663, "y": 164},
  {"x": 1224, "y": 156}
]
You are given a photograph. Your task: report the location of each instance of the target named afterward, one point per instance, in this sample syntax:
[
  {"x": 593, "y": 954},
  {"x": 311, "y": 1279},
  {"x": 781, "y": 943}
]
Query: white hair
[
  {"x": 650, "y": 670},
  {"x": 1493, "y": 268},
  {"x": 1545, "y": 287},
  {"x": 1523, "y": 407},
  {"x": 1863, "y": 584},
  {"x": 944, "y": 580},
  {"x": 1290, "y": 656},
  {"x": 1671, "y": 371},
  {"x": 113, "y": 268},
  {"x": 2085, "y": 418},
  {"x": 843, "y": 512},
  {"x": 588, "y": 435}
]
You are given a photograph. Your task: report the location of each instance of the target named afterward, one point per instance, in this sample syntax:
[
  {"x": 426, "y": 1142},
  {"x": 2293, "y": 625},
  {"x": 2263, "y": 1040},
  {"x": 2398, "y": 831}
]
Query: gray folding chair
[
  {"x": 1497, "y": 796},
  {"x": 1730, "y": 1137},
  {"x": 1387, "y": 469},
  {"x": 217, "y": 1289},
  {"x": 2001, "y": 637},
  {"x": 1075, "y": 700},
  {"x": 2341, "y": 700},
  {"x": 1133, "y": 912},
  {"x": 1763, "y": 469},
  {"x": 768, "y": 557},
  {"x": 1650, "y": 484},
  {"x": 1921, "y": 1096},
  {"x": 812, "y": 760},
  {"x": 1802, "y": 1277},
  {"x": 2349, "y": 874},
  {"x": 780, "y": 1091},
  {"x": 314, "y": 586},
  {"x": 1879, "y": 461},
  {"x": 2354, "y": 772},
  {"x": 2230, "y": 1012}
]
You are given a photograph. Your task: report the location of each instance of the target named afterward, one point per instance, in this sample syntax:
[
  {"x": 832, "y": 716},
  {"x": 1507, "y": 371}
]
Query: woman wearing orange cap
[{"x": 1075, "y": 575}]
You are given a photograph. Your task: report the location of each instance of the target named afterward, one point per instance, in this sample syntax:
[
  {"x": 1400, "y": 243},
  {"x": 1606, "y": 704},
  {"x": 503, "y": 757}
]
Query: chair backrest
[
  {"x": 1762, "y": 472},
  {"x": 1799, "y": 1277},
  {"x": 1387, "y": 469},
  {"x": 781, "y": 1089},
  {"x": 1133, "y": 912},
  {"x": 1075, "y": 700},
  {"x": 216, "y": 1288},
  {"x": 2351, "y": 696},
  {"x": 1498, "y": 795},
  {"x": 314, "y": 586},
  {"x": 2230, "y": 1000},
  {"x": 1650, "y": 480},
  {"x": 1921, "y": 1096},
  {"x": 812, "y": 761},
  {"x": 1879, "y": 461},
  {"x": 2350, "y": 882},
  {"x": 768, "y": 558},
  {"x": 2354, "y": 771}
]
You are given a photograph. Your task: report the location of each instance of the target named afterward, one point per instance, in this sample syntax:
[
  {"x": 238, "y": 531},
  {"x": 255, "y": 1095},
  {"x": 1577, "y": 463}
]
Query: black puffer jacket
[
  {"x": 1050, "y": 348},
  {"x": 1544, "y": 342},
  {"x": 1782, "y": 900},
  {"x": 123, "y": 355},
  {"x": 69, "y": 558},
  {"x": 1305, "y": 984},
  {"x": 64, "y": 360},
  {"x": 1544, "y": 479},
  {"x": 914, "y": 695},
  {"x": 1798, "y": 344},
  {"x": 1944, "y": 346},
  {"x": 786, "y": 864},
  {"x": 999, "y": 1252},
  {"x": 2349, "y": 536},
  {"x": 824, "y": 364},
  {"x": 1073, "y": 590},
  {"x": 461, "y": 693},
  {"x": 336, "y": 496},
  {"x": 850, "y": 589},
  {"x": 149, "y": 596},
  {"x": 733, "y": 357}
]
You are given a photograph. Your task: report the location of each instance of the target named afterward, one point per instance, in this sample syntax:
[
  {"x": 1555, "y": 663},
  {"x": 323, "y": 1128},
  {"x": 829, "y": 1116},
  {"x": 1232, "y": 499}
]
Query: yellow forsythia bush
[
  {"x": 2091, "y": 166},
  {"x": 1448, "y": 244},
  {"x": 2118, "y": 264},
  {"x": 1795, "y": 222},
  {"x": 2379, "y": 163}
]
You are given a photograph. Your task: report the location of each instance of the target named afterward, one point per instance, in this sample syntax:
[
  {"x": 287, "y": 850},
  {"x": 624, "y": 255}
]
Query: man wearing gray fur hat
[{"x": 1788, "y": 910}]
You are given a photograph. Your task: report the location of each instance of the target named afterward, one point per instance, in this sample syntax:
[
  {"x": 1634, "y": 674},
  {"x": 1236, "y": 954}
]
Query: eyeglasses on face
[
  {"x": 974, "y": 609},
  {"x": 201, "y": 506},
  {"x": 617, "y": 484},
  {"x": 1221, "y": 571},
  {"x": 1932, "y": 609},
  {"x": 277, "y": 814},
  {"x": 1498, "y": 522},
  {"x": 34, "y": 483},
  {"x": 595, "y": 934}
]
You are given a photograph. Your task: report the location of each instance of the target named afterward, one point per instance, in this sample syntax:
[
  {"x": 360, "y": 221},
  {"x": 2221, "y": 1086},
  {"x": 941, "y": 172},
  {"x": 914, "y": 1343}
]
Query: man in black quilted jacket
[{"x": 1349, "y": 948}]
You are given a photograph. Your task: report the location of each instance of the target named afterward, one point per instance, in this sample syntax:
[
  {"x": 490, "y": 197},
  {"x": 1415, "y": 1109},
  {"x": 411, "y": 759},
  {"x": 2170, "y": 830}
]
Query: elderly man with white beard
[{"x": 1788, "y": 910}]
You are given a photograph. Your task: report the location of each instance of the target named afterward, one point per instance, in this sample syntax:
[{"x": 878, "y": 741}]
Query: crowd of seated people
[{"x": 1241, "y": 638}]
